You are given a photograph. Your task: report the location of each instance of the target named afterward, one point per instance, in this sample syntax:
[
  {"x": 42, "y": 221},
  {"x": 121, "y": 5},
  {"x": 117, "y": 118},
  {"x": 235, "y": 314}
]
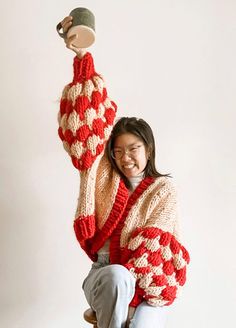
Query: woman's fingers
[
  {"x": 69, "y": 44},
  {"x": 66, "y": 20},
  {"x": 66, "y": 23}
]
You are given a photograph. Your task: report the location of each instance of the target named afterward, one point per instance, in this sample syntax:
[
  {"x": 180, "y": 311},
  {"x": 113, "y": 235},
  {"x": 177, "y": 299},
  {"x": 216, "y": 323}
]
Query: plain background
[{"x": 170, "y": 62}]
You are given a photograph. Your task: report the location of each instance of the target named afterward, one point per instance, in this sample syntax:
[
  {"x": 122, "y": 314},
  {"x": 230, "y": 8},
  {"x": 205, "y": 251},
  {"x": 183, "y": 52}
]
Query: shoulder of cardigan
[{"x": 164, "y": 185}]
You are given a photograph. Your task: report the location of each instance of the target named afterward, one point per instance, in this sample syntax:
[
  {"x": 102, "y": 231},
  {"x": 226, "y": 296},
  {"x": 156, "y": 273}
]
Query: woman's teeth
[{"x": 130, "y": 166}]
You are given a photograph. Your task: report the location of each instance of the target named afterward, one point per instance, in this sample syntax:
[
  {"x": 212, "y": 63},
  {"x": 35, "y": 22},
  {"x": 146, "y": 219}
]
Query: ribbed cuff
[
  {"x": 84, "y": 227},
  {"x": 83, "y": 68}
]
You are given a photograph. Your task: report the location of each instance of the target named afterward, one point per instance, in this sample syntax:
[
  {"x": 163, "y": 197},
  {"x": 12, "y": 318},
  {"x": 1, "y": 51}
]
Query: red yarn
[
  {"x": 63, "y": 103},
  {"x": 126, "y": 254},
  {"x": 96, "y": 99},
  {"x": 140, "y": 250},
  {"x": 143, "y": 270},
  {"x": 66, "y": 107},
  {"x": 155, "y": 258},
  {"x": 114, "y": 105},
  {"x": 136, "y": 232},
  {"x": 165, "y": 238},
  {"x": 83, "y": 68},
  {"x": 69, "y": 137},
  {"x": 109, "y": 115},
  {"x": 82, "y": 103},
  {"x": 160, "y": 280},
  {"x": 75, "y": 162},
  {"x": 168, "y": 267},
  {"x": 83, "y": 133},
  {"x": 60, "y": 133},
  {"x": 138, "y": 296},
  {"x": 99, "y": 149},
  {"x": 169, "y": 293},
  {"x": 151, "y": 233},
  {"x": 181, "y": 276},
  {"x": 185, "y": 254},
  {"x": 84, "y": 227},
  {"x": 86, "y": 160},
  {"x": 104, "y": 94},
  {"x": 175, "y": 246},
  {"x": 98, "y": 127}
]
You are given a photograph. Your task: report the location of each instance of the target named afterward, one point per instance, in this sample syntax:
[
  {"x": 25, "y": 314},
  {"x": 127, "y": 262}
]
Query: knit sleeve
[
  {"x": 155, "y": 257},
  {"x": 86, "y": 114}
]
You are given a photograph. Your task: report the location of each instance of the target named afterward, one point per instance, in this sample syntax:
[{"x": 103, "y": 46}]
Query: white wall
[{"x": 170, "y": 62}]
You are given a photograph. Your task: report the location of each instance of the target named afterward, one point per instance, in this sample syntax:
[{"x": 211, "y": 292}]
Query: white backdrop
[{"x": 170, "y": 62}]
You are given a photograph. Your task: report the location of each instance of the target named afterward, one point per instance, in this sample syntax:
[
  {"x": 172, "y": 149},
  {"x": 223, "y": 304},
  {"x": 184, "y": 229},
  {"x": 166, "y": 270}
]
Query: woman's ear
[{"x": 148, "y": 154}]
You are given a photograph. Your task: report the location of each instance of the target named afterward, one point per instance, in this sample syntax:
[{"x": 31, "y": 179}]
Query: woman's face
[{"x": 130, "y": 154}]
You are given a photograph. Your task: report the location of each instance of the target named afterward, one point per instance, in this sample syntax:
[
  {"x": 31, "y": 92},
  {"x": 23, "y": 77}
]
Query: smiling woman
[{"x": 139, "y": 264}]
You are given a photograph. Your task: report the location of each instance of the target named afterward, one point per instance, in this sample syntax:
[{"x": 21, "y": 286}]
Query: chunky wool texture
[
  {"x": 142, "y": 226},
  {"x": 86, "y": 114}
]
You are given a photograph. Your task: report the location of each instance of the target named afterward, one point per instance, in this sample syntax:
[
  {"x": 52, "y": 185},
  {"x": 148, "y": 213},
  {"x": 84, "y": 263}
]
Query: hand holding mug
[
  {"x": 66, "y": 23},
  {"x": 78, "y": 29}
]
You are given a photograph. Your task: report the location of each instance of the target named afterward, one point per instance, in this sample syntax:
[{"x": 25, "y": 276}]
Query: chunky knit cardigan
[{"x": 142, "y": 226}]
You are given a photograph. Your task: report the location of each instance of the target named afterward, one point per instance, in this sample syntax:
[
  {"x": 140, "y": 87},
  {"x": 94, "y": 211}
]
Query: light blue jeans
[{"x": 109, "y": 288}]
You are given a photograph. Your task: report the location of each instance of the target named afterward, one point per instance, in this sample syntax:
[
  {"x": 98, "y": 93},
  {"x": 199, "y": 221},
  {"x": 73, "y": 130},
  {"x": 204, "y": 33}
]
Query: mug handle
[{"x": 59, "y": 27}]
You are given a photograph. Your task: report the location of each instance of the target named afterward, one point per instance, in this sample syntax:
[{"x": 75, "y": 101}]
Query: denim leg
[
  {"x": 149, "y": 316},
  {"x": 109, "y": 290}
]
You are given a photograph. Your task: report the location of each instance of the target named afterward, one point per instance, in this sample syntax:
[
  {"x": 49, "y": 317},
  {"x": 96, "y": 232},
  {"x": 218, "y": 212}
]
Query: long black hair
[{"x": 143, "y": 131}]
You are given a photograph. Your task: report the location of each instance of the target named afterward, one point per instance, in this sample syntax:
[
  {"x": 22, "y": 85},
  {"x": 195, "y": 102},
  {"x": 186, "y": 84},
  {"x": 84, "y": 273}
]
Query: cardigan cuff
[
  {"x": 83, "y": 68},
  {"x": 84, "y": 227}
]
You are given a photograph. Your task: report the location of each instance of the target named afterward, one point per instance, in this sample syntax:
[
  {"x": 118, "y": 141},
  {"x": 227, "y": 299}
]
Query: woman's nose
[{"x": 125, "y": 155}]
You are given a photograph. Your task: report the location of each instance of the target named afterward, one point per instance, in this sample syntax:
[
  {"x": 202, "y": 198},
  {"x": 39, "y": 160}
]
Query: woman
[{"x": 126, "y": 219}]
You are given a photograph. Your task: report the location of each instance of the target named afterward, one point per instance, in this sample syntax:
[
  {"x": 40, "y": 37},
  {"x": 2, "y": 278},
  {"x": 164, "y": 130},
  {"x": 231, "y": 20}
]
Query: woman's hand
[{"x": 66, "y": 24}]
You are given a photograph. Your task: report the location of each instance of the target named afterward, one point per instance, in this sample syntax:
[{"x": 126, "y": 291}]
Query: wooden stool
[{"x": 90, "y": 316}]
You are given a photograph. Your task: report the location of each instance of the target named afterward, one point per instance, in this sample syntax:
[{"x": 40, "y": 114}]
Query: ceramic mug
[{"x": 83, "y": 24}]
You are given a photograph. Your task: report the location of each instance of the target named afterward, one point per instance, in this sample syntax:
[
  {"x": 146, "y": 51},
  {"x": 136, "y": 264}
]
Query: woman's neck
[{"x": 135, "y": 181}]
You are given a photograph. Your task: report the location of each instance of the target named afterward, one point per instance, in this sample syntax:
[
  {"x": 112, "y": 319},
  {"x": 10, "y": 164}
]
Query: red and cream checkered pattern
[
  {"x": 158, "y": 262},
  {"x": 86, "y": 114}
]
